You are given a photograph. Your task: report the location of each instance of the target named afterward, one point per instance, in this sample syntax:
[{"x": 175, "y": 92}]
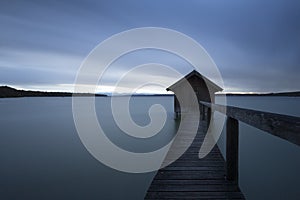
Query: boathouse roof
[{"x": 195, "y": 73}]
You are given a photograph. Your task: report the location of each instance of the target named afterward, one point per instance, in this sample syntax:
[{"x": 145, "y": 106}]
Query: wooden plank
[
  {"x": 192, "y": 182},
  {"x": 195, "y": 164},
  {"x": 196, "y": 168},
  {"x": 190, "y": 175},
  {"x": 283, "y": 126},
  {"x": 193, "y": 188},
  {"x": 194, "y": 195}
]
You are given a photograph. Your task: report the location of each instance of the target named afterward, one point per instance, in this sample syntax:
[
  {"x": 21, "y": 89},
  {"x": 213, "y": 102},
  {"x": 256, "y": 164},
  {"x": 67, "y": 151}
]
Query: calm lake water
[{"x": 42, "y": 156}]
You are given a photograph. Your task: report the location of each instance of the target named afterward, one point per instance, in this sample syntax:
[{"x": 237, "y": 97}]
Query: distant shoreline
[
  {"x": 9, "y": 92},
  {"x": 278, "y": 94}
]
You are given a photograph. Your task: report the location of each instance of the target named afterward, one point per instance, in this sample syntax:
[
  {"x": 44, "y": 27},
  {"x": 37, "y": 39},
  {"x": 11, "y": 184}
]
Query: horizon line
[{"x": 112, "y": 93}]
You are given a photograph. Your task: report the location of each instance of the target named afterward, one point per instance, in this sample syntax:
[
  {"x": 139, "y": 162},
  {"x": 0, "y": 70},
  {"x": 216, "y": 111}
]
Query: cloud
[
  {"x": 255, "y": 44},
  {"x": 25, "y": 67}
]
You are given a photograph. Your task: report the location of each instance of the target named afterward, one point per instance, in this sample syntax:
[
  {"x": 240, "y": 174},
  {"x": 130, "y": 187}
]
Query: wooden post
[
  {"x": 202, "y": 113},
  {"x": 208, "y": 116},
  {"x": 200, "y": 107},
  {"x": 232, "y": 149}
]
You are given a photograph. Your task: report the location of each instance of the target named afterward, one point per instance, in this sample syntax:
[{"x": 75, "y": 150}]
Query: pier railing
[{"x": 283, "y": 126}]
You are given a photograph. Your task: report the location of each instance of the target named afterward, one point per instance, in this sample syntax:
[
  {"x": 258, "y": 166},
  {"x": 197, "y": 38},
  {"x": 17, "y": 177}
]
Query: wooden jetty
[
  {"x": 212, "y": 177},
  {"x": 192, "y": 178}
]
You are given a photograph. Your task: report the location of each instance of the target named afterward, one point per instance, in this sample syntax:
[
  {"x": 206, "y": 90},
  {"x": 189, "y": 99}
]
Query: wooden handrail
[{"x": 283, "y": 126}]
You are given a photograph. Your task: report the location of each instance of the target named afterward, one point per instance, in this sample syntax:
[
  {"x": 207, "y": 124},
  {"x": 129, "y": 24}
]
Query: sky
[{"x": 255, "y": 44}]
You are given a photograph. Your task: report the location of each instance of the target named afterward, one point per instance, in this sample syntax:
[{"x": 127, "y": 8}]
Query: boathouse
[{"x": 204, "y": 89}]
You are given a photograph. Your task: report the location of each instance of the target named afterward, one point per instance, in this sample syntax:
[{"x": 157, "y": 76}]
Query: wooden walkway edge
[{"x": 192, "y": 178}]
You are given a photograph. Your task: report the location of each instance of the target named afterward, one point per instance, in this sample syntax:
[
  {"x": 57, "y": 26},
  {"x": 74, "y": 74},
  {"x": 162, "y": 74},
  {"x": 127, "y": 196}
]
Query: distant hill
[
  {"x": 292, "y": 94},
  {"x": 144, "y": 95},
  {"x": 286, "y": 94},
  {"x": 6, "y": 92}
]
